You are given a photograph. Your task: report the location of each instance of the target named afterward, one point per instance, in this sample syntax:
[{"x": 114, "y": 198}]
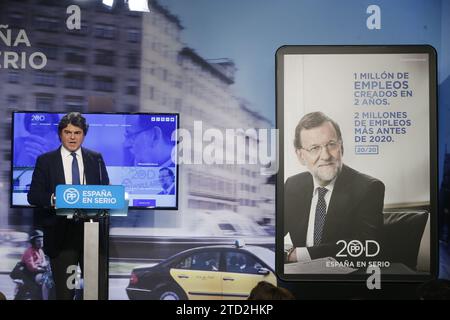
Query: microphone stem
[{"x": 100, "y": 170}]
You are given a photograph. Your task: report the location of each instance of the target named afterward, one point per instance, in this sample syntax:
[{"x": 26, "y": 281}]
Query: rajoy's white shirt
[
  {"x": 302, "y": 252},
  {"x": 67, "y": 164}
]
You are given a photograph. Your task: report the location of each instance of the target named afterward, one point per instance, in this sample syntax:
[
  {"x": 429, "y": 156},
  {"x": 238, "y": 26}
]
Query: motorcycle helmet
[{"x": 36, "y": 234}]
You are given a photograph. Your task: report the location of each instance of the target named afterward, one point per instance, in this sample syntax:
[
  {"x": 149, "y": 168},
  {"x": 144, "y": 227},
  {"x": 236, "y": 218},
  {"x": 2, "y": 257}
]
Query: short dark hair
[
  {"x": 313, "y": 120},
  {"x": 438, "y": 289},
  {"x": 75, "y": 119},
  {"x": 170, "y": 172},
  {"x": 266, "y": 291}
]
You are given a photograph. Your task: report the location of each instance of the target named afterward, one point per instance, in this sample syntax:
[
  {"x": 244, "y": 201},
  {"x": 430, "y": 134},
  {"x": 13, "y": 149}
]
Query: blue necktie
[
  {"x": 75, "y": 169},
  {"x": 321, "y": 211}
]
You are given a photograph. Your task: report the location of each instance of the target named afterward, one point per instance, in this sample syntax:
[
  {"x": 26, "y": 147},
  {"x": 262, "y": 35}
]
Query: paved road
[
  {"x": 116, "y": 288},
  {"x": 7, "y": 286}
]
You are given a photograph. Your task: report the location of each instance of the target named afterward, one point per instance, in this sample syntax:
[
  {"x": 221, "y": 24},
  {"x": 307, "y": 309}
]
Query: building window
[
  {"x": 104, "y": 84},
  {"x": 177, "y": 104},
  {"x": 180, "y": 59},
  {"x": 44, "y": 102},
  {"x": 130, "y": 108},
  {"x": 133, "y": 60},
  {"x": 134, "y": 35},
  {"x": 104, "y": 57},
  {"x": 178, "y": 82},
  {"x": 229, "y": 188},
  {"x": 45, "y": 78},
  {"x": 16, "y": 20},
  {"x": 132, "y": 87},
  {"x": 13, "y": 76},
  {"x": 50, "y": 2},
  {"x": 50, "y": 51},
  {"x": 84, "y": 30},
  {"x": 75, "y": 55},
  {"x": 47, "y": 24},
  {"x": 104, "y": 31},
  {"x": 12, "y": 101},
  {"x": 151, "y": 92},
  {"x": 74, "y": 103},
  {"x": 74, "y": 81}
]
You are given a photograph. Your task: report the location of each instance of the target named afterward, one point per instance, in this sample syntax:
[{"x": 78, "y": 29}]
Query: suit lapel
[
  {"x": 305, "y": 206},
  {"x": 340, "y": 204},
  {"x": 59, "y": 168},
  {"x": 302, "y": 207},
  {"x": 87, "y": 163}
]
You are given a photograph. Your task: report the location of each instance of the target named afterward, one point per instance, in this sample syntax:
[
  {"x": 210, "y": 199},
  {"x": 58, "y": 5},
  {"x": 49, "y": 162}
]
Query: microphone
[{"x": 100, "y": 169}]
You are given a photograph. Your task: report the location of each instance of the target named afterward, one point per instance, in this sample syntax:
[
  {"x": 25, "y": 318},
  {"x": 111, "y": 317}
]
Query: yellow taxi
[{"x": 211, "y": 272}]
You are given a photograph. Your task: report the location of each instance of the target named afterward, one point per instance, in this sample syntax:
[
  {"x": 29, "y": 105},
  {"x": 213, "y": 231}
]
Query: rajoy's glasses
[
  {"x": 331, "y": 146},
  {"x": 133, "y": 135}
]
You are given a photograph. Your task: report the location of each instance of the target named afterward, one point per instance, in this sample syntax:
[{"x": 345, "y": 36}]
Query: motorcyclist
[{"x": 37, "y": 266}]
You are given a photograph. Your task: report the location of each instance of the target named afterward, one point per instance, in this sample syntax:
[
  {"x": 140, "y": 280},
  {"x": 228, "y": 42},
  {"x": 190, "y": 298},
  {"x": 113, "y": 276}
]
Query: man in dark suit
[
  {"x": 167, "y": 180},
  {"x": 69, "y": 164},
  {"x": 331, "y": 201}
]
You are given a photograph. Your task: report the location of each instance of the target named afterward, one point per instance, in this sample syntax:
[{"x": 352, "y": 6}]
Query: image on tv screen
[
  {"x": 357, "y": 161},
  {"x": 139, "y": 151}
]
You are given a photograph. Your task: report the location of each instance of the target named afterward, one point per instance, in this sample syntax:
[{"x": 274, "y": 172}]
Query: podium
[{"x": 93, "y": 204}]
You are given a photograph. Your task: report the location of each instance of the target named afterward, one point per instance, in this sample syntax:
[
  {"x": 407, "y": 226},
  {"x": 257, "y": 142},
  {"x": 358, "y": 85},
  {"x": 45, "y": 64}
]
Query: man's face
[
  {"x": 142, "y": 145},
  {"x": 321, "y": 152},
  {"x": 140, "y": 141},
  {"x": 38, "y": 242},
  {"x": 72, "y": 137},
  {"x": 165, "y": 179}
]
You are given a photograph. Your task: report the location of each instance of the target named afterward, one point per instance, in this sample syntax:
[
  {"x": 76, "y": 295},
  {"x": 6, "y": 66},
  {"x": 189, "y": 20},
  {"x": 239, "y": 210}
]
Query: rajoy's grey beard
[{"x": 325, "y": 175}]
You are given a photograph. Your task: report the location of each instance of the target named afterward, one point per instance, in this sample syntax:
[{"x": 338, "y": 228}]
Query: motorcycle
[{"x": 26, "y": 286}]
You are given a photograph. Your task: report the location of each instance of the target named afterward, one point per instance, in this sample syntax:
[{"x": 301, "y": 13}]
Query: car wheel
[{"x": 170, "y": 293}]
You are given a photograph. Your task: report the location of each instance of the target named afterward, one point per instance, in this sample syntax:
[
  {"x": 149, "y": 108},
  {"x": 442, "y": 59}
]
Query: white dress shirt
[{"x": 67, "y": 164}]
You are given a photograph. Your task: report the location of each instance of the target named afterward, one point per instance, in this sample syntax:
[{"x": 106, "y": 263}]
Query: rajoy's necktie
[
  {"x": 75, "y": 169},
  {"x": 321, "y": 211}
]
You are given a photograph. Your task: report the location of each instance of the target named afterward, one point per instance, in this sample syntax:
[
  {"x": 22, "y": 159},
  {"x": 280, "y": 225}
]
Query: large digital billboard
[{"x": 357, "y": 182}]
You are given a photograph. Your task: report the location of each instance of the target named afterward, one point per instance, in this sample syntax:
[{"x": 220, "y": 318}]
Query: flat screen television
[
  {"x": 139, "y": 150},
  {"x": 357, "y": 180}
]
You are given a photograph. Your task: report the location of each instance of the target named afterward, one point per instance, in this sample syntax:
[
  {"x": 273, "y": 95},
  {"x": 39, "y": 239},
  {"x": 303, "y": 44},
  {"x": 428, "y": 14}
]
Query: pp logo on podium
[
  {"x": 90, "y": 197},
  {"x": 71, "y": 196}
]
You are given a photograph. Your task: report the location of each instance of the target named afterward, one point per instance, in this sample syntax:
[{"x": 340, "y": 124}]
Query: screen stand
[
  {"x": 95, "y": 267},
  {"x": 91, "y": 259}
]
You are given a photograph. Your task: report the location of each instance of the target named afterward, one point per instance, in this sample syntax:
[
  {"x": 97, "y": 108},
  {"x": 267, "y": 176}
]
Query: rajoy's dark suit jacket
[
  {"x": 48, "y": 173},
  {"x": 355, "y": 211},
  {"x": 171, "y": 190}
]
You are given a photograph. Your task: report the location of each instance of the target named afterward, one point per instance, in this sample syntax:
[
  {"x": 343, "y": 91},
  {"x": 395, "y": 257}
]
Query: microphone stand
[{"x": 103, "y": 218}]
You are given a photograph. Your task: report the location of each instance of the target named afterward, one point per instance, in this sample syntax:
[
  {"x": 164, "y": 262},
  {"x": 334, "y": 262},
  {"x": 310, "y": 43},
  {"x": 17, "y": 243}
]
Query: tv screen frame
[
  {"x": 281, "y": 98},
  {"x": 87, "y": 115}
]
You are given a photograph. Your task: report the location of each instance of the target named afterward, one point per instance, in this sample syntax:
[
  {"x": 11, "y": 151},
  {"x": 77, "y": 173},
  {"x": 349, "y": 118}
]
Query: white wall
[{"x": 325, "y": 83}]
